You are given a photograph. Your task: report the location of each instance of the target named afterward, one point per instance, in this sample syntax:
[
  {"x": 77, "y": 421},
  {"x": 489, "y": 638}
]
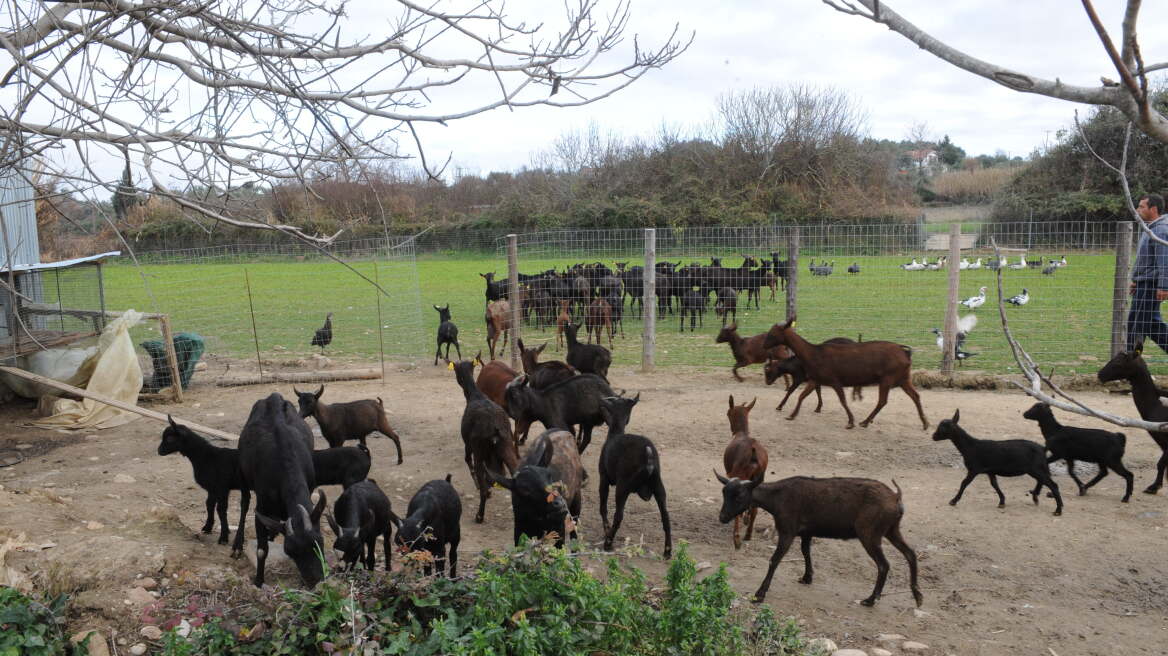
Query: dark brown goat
[
  {"x": 1130, "y": 366},
  {"x": 492, "y": 381},
  {"x": 748, "y": 350},
  {"x": 562, "y": 319},
  {"x": 744, "y": 458},
  {"x": 797, "y": 375},
  {"x": 541, "y": 375},
  {"x": 498, "y": 319},
  {"x": 347, "y": 421},
  {"x": 486, "y": 435},
  {"x": 598, "y": 320},
  {"x": 837, "y": 508},
  {"x": 886, "y": 364}
]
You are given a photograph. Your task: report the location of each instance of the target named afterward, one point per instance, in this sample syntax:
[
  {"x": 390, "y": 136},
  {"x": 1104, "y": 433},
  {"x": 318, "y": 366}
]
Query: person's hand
[{"x": 1162, "y": 294}]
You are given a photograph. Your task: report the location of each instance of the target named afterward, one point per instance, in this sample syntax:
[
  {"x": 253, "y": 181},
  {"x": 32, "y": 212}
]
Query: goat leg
[
  {"x": 750, "y": 515},
  {"x": 659, "y": 494},
  {"x": 737, "y": 540},
  {"x": 969, "y": 476},
  {"x": 876, "y": 552},
  {"x": 785, "y": 541},
  {"x": 221, "y": 505},
  {"x": 1098, "y": 477},
  {"x": 898, "y": 541},
  {"x": 1161, "y": 466},
  {"x": 1001, "y": 497},
  {"x": 618, "y": 515},
  {"x": 808, "y": 571},
  {"x": 807, "y": 389},
  {"x": 1079, "y": 483},
  {"x": 244, "y": 503},
  {"x": 604, "y": 509},
  {"x": 209, "y": 525}
]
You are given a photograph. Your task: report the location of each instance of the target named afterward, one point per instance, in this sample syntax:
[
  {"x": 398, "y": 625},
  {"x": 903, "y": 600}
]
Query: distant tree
[{"x": 948, "y": 153}]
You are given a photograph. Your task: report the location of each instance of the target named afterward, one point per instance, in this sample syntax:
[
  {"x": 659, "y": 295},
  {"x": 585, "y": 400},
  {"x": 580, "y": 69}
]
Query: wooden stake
[
  {"x": 649, "y": 302},
  {"x": 380, "y": 335},
  {"x": 949, "y": 336},
  {"x": 792, "y": 273},
  {"x": 513, "y": 295},
  {"x": 171, "y": 357},
  {"x": 1119, "y": 295},
  {"x": 254, "y": 334}
]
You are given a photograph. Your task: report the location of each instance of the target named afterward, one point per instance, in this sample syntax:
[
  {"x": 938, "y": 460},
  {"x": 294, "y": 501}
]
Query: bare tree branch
[{"x": 1131, "y": 98}]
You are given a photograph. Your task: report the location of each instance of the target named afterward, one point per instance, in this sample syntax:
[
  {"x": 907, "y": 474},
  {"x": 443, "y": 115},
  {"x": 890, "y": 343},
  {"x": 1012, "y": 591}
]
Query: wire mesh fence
[
  {"x": 281, "y": 309},
  {"x": 864, "y": 282}
]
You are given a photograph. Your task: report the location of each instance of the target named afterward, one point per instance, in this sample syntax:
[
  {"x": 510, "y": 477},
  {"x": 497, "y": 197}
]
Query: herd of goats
[{"x": 276, "y": 461}]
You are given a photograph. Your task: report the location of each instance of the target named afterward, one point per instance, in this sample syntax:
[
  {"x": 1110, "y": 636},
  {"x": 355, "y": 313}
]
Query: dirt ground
[{"x": 996, "y": 581}]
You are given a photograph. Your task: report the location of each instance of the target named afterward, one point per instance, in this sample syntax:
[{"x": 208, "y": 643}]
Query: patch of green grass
[{"x": 1066, "y": 324}]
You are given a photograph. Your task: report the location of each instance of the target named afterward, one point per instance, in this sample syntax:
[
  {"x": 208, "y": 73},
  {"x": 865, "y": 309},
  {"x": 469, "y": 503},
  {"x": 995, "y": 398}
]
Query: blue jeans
[{"x": 1144, "y": 320}]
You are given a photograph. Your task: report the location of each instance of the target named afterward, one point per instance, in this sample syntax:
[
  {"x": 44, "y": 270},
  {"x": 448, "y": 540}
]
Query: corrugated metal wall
[{"x": 18, "y": 212}]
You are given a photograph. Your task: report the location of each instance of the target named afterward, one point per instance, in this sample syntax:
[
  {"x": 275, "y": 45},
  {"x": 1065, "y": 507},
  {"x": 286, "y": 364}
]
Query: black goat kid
[
  {"x": 362, "y": 513},
  {"x": 432, "y": 523},
  {"x": 630, "y": 462},
  {"x": 1103, "y": 448},
  {"x": 447, "y": 333}
]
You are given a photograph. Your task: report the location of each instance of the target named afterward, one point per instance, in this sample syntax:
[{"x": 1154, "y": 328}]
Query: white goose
[
  {"x": 976, "y": 264},
  {"x": 1019, "y": 299},
  {"x": 1021, "y": 264},
  {"x": 974, "y": 302}
]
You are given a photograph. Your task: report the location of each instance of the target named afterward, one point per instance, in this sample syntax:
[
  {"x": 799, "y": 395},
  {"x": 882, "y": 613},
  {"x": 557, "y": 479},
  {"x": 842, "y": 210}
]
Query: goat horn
[
  {"x": 307, "y": 519},
  {"x": 721, "y": 479}
]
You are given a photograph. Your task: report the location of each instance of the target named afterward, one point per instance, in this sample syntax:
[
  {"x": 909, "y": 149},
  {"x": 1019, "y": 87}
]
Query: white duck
[
  {"x": 1019, "y": 299},
  {"x": 938, "y": 265},
  {"x": 1020, "y": 264},
  {"x": 963, "y": 264},
  {"x": 976, "y": 264},
  {"x": 1063, "y": 261},
  {"x": 915, "y": 266},
  {"x": 974, "y": 302},
  {"x": 964, "y": 326}
]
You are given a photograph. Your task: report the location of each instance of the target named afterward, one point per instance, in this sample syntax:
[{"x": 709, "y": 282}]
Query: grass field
[{"x": 1066, "y": 324}]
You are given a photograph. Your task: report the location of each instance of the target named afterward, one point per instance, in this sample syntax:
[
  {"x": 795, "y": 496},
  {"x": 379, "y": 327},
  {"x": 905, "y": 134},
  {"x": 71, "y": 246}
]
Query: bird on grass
[
  {"x": 1050, "y": 269},
  {"x": 974, "y": 302},
  {"x": 324, "y": 334},
  {"x": 1019, "y": 299},
  {"x": 964, "y": 326},
  {"x": 854, "y": 268}
]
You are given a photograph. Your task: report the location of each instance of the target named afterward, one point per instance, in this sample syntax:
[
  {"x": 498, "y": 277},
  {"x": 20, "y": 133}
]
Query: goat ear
[
  {"x": 750, "y": 406},
  {"x": 395, "y": 520},
  {"x": 273, "y": 525},
  {"x": 171, "y": 420},
  {"x": 539, "y": 349},
  {"x": 332, "y": 522},
  {"x": 731, "y": 401},
  {"x": 721, "y": 479},
  {"x": 520, "y": 343},
  {"x": 320, "y": 505},
  {"x": 436, "y": 308},
  {"x": 637, "y": 398},
  {"x": 956, "y": 415},
  {"x": 478, "y": 359}
]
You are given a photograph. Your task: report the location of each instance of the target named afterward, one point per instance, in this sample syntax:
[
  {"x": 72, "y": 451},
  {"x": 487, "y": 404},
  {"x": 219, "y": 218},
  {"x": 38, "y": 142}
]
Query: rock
[
  {"x": 877, "y": 651},
  {"x": 909, "y": 645},
  {"x": 97, "y": 645},
  {"x": 920, "y": 614},
  {"x": 151, "y": 632},
  {"x": 277, "y": 560},
  {"x": 183, "y": 629},
  {"x": 94, "y": 526},
  {"x": 124, "y": 478},
  {"x": 138, "y": 649},
  {"x": 849, "y": 652},
  {"x": 148, "y": 583},
  {"x": 140, "y": 596},
  {"x": 824, "y": 645},
  {"x": 889, "y": 637},
  {"x": 704, "y": 565}
]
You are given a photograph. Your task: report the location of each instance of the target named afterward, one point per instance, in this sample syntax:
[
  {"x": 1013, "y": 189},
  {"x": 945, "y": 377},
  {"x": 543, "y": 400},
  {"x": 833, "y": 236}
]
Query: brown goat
[
  {"x": 794, "y": 375},
  {"x": 562, "y": 319},
  {"x": 749, "y": 350},
  {"x": 599, "y": 320},
  {"x": 886, "y": 364},
  {"x": 498, "y": 318},
  {"x": 745, "y": 458},
  {"x": 493, "y": 379}
]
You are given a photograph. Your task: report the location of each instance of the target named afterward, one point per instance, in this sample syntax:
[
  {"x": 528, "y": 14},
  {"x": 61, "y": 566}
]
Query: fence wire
[{"x": 858, "y": 281}]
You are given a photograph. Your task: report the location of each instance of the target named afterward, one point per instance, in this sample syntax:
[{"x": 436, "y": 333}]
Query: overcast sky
[{"x": 740, "y": 44}]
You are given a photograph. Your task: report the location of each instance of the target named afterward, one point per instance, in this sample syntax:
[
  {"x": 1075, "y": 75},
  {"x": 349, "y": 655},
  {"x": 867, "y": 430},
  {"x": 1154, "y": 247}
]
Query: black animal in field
[{"x": 324, "y": 334}]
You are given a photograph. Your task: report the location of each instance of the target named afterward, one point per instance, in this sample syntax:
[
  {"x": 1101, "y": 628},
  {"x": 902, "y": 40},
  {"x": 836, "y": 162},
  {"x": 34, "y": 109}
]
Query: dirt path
[{"x": 1009, "y": 581}]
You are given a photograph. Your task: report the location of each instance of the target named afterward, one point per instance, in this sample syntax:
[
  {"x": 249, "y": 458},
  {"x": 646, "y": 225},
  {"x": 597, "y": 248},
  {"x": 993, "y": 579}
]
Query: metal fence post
[
  {"x": 649, "y": 301},
  {"x": 792, "y": 272},
  {"x": 516, "y": 299},
  {"x": 1119, "y": 294},
  {"x": 954, "y": 267}
]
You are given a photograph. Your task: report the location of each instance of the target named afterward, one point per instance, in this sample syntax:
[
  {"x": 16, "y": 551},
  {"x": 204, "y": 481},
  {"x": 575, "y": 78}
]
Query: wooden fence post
[
  {"x": 954, "y": 268},
  {"x": 171, "y": 357},
  {"x": 792, "y": 272},
  {"x": 649, "y": 302},
  {"x": 516, "y": 299},
  {"x": 1119, "y": 294}
]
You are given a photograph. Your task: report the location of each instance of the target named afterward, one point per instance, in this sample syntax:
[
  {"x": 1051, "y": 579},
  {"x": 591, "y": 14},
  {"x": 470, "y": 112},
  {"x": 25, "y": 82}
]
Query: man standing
[{"x": 1149, "y": 278}]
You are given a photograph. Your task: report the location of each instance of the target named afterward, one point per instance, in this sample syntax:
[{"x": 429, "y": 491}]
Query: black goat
[
  {"x": 837, "y": 508},
  {"x": 587, "y": 358},
  {"x": 1130, "y": 366},
  {"x": 571, "y": 402},
  {"x": 693, "y": 302},
  {"x": 630, "y": 462},
  {"x": 275, "y": 456},
  {"x": 347, "y": 421},
  {"x": 996, "y": 458},
  {"x": 727, "y": 304},
  {"x": 486, "y": 435},
  {"x": 448, "y": 332},
  {"x": 341, "y": 465},
  {"x": 362, "y": 513},
  {"x": 1103, "y": 448},
  {"x": 431, "y": 523},
  {"x": 216, "y": 471},
  {"x": 545, "y": 492}
]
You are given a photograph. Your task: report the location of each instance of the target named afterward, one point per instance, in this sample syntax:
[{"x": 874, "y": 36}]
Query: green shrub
[
  {"x": 29, "y": 627},
  {"x": 531, "y": 600}
]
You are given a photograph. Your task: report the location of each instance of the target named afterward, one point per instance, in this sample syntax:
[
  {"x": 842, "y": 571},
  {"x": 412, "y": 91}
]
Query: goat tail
[
  {"x": 1122, "y": 440},
  {"x": 381, "y": 403},
  {"x": 899, "y": 497},
  {"x": 649, "y": 468},
  {"x": 447, "y": 477}
]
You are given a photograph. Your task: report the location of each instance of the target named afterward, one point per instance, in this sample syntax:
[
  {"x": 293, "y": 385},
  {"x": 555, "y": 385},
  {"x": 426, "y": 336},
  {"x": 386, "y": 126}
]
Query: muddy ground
[{"x": 996, "y": 581}]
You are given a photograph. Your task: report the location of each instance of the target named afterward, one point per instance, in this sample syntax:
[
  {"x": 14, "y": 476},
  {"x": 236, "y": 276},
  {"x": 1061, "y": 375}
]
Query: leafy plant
[{"x": 29, "y": 627}]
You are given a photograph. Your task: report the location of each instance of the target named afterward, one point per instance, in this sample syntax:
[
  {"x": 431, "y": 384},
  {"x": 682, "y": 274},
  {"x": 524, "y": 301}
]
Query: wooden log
[
  {"x": 301, "y": 377},
  {"x": 152, "y": 414},
  {"x": 171, "y": 358}
]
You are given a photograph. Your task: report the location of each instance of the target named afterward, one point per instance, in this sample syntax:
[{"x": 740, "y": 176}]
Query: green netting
[{"x": 187, "y": 346}]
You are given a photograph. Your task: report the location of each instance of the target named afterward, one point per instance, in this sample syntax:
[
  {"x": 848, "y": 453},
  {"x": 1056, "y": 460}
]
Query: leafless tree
[{"x": 207, "y": 96}]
